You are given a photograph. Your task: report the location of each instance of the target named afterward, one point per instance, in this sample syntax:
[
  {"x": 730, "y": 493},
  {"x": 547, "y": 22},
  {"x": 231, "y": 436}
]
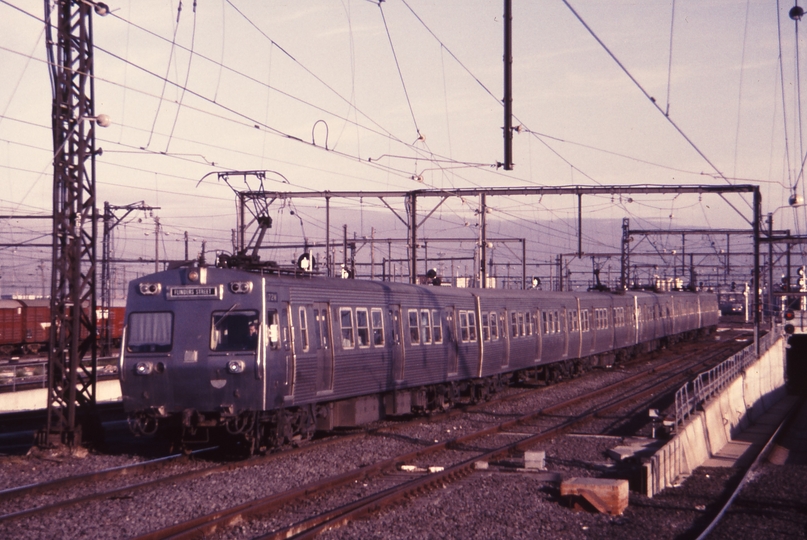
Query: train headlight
[
  {"x": 150, "y": 289},
  {"x": 235, "y": 366},
  {"x": 193, "y": 275},
  {"x": 241, "y": 287},
  {"x": 143, "y": 368}
]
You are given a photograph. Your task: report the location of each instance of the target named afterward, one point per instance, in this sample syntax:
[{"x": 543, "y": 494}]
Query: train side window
[
  {"x": 494, "y": 326},
  {"x": 273, "y": 335},
  {"x": 573, "y": 324},
  {"x": 527, "y": 324},
  {"x": 346, "y": 322},
  {"x": 521, "y": 329},
  {"x": 437, "y": 326},
  {"x": 362, "y": 327},
  {"x": 485, "y": 327},
  {"x": 150, "y": 332},
  {"x": 377, "y": 323},
  {"x": 234, "y": 331},
  {"x": 414, "y": 330},
  {"x": 322, "y": 327},
  {"x": 584, "y": 323},
  {"x": 514, "y": 324},
  {"x": 425, "y": 326},
  {"x": 546, "y": 322},
  {"x": 303, "y": 329},
  {"x": 471, "y": 326},
  {"x": 464, "y": 326}
]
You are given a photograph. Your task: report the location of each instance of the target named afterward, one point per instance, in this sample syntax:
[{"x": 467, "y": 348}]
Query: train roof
[
  {"x": 37, "y": 302},
  {"x": 403, "y": 288},
  {"x": 9, "y": 304}
]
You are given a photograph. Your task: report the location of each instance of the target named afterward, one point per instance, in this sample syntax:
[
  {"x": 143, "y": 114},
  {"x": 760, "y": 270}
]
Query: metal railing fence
[{"x": 705, "y": 385}]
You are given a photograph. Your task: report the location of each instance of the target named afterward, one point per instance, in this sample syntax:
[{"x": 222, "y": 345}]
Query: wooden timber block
[
  {"x": 535, "y": 459},
  {"x": 609, "y": 496}
]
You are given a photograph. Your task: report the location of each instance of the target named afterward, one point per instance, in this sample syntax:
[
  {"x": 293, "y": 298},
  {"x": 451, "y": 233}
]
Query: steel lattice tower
[{"x": 72, "y": 356}]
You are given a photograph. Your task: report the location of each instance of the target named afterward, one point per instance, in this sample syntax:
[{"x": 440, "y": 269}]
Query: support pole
[
  {"x": 787, "y": 276},
  {"x": 328, "y": 237},
  {"x": 156, "y": 244},
  {"x": 242, "y": 224},
  {"x": 344, "y": 250},
  {"x": 579, "y": 225},
  {"x": 757, "y": 214},
  {"x": 523, "y": 263},
  {"x": 625, "y": 256},
  {"x": 72, "y": 379},
  {"x": 483, "y": 241},
  {"x": 770, "y": 309},
  {"x": 372, "y": 252},
  {"x": 508, "y": 85},
  {"x": 413, "y": 239}
]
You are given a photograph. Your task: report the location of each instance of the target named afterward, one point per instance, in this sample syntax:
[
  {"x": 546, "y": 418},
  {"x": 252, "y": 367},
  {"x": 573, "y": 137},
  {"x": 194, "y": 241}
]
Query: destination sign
[{"x": 181, "y": 293}]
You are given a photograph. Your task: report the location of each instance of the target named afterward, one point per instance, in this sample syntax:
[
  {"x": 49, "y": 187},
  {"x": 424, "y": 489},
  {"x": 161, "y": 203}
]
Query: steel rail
[
  {"x": 188, "y": 475},
  {"x": 106, "y": 474},
  {"x": 763, "y": 453}
]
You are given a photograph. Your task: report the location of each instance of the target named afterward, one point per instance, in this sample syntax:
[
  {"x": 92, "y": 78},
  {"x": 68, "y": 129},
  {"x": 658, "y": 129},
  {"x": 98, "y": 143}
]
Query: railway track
[
  {"x": 387, "y": 472},
  {"x": 783, "y": 430},
  {"x": 467, "y": 448},
  {"x": 385, "y": 469}
]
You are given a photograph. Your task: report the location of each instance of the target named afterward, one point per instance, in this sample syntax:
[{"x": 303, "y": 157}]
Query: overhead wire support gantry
[
  {"x": 411, "y": 221},
  {"x": 111, "y": 220}
]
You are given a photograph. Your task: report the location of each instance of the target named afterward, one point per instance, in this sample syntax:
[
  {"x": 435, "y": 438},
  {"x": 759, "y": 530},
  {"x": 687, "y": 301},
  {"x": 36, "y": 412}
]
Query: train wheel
[{"x": 479, "y": 391}]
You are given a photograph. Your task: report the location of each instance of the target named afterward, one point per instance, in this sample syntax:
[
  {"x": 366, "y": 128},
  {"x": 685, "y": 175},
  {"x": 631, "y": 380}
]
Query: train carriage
[
  {"x": 12, "y": 325},
  {"x": 266, "y": 357}
]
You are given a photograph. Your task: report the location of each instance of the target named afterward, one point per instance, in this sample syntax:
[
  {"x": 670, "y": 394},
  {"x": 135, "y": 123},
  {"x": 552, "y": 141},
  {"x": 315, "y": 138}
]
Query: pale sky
[{"x": 334, "y": 95}]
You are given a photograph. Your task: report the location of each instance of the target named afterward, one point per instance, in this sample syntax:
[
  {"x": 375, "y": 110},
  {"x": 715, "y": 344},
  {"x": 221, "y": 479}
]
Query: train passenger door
[
  {"x": 287, "y": 330},
  {"x": 323, "y": 337},
  {"x": 501, "y": 331},
  {"x": 451, "y": 341},
  {"x": 398, "y": 354},
  {"x": 539, "y": 335},
  {"x": 564, "y": 327}
]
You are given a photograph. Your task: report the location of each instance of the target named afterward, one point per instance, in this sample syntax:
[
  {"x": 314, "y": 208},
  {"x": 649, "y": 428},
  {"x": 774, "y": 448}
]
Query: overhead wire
[
  {"x": 167, "y": 71},
  {"x": 400, "y": 73},
  {"x": 187, "y": 76},
  {"x": 740, "y": 88},
  {"x": 644, "y": 92}
]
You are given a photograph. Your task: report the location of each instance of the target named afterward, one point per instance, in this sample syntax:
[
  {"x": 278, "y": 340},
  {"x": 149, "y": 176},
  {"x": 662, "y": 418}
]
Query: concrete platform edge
[{"x": 722, "y": 419}]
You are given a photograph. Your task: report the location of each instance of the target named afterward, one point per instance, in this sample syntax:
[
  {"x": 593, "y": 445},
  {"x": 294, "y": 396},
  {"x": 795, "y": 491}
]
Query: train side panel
[{"x": 12, "y": 324}]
